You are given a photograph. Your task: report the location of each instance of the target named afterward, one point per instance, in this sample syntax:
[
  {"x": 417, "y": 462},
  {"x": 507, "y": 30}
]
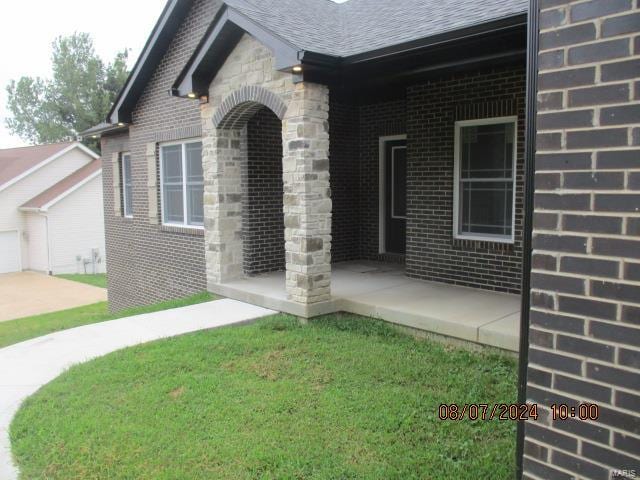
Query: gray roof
[
  {"x": 360, "y": 26},
  {"x": 321, "y": 27},
  {"x": 103, "y": 127}
]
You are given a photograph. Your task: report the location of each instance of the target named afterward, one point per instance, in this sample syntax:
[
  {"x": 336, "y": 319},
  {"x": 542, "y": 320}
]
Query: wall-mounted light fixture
[
  {"x": 192, "y": 95},
  {"x": 297, "y": 69},
  {"x": 122, "y": 124}
]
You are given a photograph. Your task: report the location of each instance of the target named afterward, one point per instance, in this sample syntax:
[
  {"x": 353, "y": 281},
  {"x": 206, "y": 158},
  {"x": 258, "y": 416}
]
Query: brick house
[{"x": 377, "y": 157}]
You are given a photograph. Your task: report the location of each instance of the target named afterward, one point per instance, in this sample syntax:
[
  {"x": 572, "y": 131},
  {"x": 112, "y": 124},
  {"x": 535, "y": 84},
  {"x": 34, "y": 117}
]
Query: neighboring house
[
  {"x": 51, "y": 209},
  {"x": 301, "y": 136}
]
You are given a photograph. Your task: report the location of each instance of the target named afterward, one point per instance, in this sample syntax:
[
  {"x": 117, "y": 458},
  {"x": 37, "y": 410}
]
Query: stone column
[
  {"x": 307, "y": 194},
  {"x": 223, "y": 151}
]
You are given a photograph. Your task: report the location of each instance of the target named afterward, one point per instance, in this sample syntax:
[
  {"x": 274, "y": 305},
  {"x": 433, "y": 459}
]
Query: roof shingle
[{"x": 360, "y": 26}]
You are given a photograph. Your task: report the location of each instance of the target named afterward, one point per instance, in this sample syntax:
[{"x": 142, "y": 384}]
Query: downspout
[
  {"x": 530, "y": 152},
  {"x": 46, "y": 227}
]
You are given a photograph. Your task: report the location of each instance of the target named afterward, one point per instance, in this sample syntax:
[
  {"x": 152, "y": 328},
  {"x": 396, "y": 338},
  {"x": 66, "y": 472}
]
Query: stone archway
[
  {"x": 241, "y": 105},
  {"x": 246, "y": 83}
]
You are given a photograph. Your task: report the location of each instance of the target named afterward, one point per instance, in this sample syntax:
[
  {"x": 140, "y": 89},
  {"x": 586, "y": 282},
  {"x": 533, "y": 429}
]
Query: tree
[{"x": 77, "y": 97}]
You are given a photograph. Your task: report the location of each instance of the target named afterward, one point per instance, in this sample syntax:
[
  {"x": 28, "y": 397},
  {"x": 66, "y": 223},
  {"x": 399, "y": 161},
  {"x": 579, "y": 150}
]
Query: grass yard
[
  {"x": 97, "y": 280},
  {"x": 341, "y": 398},
  {"x": 14, "y": 331}
]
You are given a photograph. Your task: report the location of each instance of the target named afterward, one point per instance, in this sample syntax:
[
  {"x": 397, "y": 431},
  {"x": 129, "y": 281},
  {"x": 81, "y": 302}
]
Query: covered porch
[
  {"x": 382, "y": 290},
  {"x": 334, "y": 194}
]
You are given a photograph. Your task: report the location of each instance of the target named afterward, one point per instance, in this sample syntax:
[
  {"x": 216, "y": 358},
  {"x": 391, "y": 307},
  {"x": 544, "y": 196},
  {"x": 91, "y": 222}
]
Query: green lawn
[
  {"x": 98, "y": 280},
  {"x": 342, "y": 398},
  {"x": 22, "y": 329}
]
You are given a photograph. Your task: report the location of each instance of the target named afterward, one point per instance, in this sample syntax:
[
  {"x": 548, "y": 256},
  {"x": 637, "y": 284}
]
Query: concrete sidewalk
[{"x": 27, "y": 366}]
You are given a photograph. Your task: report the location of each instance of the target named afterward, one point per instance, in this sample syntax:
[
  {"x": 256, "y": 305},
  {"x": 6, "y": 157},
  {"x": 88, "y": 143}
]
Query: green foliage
[
  {"x": 15, "y": 331},
  {"x": 344, "y": 397},
  {"x": 77, "y": 97}
]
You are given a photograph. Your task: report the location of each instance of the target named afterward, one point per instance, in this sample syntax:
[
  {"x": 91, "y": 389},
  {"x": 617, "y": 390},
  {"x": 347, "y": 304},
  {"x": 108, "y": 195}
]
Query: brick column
[
  {"x": 307, "y": 196},
  {"x": 223, "y": 153},
  {"x": 585, "y": 313}
]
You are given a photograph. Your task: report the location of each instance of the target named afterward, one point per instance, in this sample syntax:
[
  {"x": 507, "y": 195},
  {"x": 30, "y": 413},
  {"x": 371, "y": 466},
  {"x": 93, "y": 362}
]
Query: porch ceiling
[{"x": 383, "y": 291}]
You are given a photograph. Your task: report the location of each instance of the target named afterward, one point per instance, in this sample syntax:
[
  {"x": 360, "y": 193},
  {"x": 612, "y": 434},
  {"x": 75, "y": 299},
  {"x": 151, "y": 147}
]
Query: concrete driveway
[{"x": 26, "y": 293}]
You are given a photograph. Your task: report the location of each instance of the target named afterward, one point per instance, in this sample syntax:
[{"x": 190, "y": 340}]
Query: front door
[{"x": 395, "y": 196}]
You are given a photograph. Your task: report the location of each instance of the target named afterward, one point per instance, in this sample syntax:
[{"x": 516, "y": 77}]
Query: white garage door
[{"x": 9, "y": 252}]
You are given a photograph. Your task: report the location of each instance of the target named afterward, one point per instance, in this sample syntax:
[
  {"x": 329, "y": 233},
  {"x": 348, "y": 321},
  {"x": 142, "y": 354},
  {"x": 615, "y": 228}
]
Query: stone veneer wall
[
  {"x": 147, "y": 262},
  {"x": 244, "y": 84},
  {"x": 585, "y": 312}
]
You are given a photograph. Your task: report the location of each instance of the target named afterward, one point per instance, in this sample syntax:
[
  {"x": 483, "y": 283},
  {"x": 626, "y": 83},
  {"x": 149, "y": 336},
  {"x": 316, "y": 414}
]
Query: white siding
[
  {"x": 9, "y": 252},
  {"x": 30, "y": 186},
  {"x": 36, "y": 236},
  {"x": 76, "y": 226}
]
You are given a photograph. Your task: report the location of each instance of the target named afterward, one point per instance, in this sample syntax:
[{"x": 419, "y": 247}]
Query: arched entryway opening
[
  {"x": 262, "y": 193},
  {"x": 249, "y": 154},
  {"x": 264, "y": 215}
]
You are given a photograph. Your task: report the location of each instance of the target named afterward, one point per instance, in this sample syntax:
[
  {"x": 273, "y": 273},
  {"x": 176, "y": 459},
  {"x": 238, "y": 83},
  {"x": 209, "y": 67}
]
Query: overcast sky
[{"x": 28, "y": 27}]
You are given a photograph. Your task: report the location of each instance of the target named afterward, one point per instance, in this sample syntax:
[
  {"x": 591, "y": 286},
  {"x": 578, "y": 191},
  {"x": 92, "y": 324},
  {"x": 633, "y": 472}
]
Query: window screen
[
  {"x": 486, "y": 180},
  {"x": 127, "y": 186},
  {"x": 182, "y": 184}
]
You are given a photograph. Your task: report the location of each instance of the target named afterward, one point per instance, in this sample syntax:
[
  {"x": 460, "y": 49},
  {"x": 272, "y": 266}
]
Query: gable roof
[
  {"x": 64, "y": 187},
  {"x": 299, "y": 29},
  {"x": 17, "y": 163},
  {"x": 161, "y": 36}
]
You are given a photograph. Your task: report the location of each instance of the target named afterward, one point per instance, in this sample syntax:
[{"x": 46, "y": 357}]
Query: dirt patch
[{"x": 177, "y": 393}]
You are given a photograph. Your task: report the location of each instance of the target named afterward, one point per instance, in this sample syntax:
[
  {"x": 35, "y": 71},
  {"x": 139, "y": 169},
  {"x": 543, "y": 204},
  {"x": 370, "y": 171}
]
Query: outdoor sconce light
[
  {"x": 192, "y": 95},
  {"x": 297, "y": 69}
]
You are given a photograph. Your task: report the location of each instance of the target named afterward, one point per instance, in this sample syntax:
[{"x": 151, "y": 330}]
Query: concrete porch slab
[
  {"x": 503, "y": 333},
  {"x": 383, "y": 291}
]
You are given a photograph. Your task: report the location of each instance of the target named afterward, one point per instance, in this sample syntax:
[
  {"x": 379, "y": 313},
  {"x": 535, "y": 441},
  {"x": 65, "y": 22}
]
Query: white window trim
[
  {"x": 456, "y": 185},
  {"x": 393, "y": 182},
  {"x": 184, "y": 224},
  {"x": 123, "y": 183},
  {"x": 382, "y": 221}
]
